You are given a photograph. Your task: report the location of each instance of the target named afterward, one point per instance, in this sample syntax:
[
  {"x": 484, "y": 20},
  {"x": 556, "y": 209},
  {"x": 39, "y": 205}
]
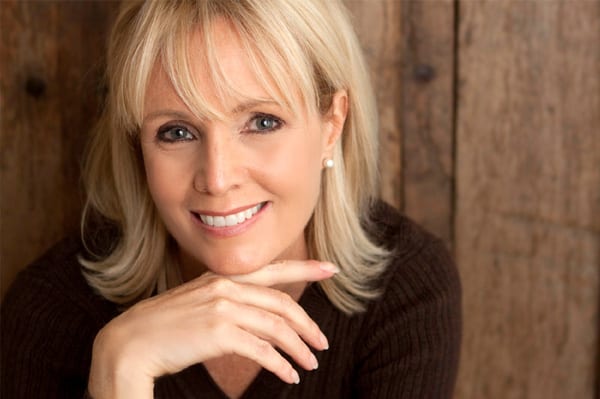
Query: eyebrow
[
  {"x": 166, "y": 112},
  {"x": 243, "y": 107}
]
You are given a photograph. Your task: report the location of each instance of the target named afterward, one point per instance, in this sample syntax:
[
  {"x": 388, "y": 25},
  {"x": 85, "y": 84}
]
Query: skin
[{"x": 239, "y": 301}]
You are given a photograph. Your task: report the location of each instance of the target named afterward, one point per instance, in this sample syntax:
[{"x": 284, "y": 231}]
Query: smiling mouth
[{"x": 229, "y": 220}]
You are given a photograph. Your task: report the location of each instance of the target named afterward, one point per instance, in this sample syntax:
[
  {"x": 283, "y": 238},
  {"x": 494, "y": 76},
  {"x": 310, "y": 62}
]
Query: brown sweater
[{"x": 405, "y": 346}]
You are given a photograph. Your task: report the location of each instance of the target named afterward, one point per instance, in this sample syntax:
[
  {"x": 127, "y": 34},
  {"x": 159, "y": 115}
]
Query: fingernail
[
  {"x": 328, "y": 267},
  {"x": 295, "y": 376},
  {"x": 324, "y": 342},
  {"x": 314, "y": 362}
]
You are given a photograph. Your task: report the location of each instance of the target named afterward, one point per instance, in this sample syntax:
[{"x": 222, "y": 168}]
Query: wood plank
[
  {"x": 427, "y": 114},
  {"x": 378, "y": 26},
  {"x": 50, "y": 62},
  {"x": 409, "y": 48},
  {"x": 528, "y": 198}
]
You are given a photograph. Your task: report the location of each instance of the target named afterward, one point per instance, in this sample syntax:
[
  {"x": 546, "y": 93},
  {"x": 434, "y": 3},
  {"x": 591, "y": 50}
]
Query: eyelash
[
  {"x": 164, "y": 131},
  {"x": 256, "y": 117}
]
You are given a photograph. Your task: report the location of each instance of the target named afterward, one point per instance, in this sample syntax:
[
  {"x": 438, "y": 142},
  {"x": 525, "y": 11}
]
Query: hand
[{"x": 206, "y": 318}]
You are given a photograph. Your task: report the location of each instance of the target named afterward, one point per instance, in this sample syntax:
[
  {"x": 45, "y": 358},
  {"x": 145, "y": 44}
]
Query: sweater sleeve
[{"x": 410, "y": 343}]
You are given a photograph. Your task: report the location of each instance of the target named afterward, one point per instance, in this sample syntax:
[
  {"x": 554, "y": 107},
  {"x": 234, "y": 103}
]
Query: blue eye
[
  {"x": 262, "y": 123},
  {"x": 172, "y": 134}
]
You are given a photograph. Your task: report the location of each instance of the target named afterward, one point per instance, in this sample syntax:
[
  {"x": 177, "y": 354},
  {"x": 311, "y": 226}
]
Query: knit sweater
[{"x": 406, "y": 345}]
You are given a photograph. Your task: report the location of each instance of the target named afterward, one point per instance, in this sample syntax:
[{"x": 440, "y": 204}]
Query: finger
[
  {"x": 250, "y": 346},
  {"x": 286, "y": 272},
  {"x": 268, "y": 326},
  {"x": 282, "y": 305},
  {"x": 201, "y": 291},
  {"x": 267, "y": 299}
]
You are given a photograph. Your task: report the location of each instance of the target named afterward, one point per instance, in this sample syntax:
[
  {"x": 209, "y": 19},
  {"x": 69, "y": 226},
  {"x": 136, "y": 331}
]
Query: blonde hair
[{"x": 311, "y": 49}]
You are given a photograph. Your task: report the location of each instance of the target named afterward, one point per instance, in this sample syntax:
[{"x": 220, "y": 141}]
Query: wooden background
[{"x": 491, "y": 138}]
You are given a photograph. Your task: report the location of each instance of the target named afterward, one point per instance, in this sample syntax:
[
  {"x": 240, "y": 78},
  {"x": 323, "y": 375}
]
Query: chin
[{"x": 232, "y": 264}]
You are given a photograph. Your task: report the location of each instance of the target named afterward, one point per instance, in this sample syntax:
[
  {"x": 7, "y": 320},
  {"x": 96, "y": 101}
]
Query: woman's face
[{"x": 237, "y": 193}]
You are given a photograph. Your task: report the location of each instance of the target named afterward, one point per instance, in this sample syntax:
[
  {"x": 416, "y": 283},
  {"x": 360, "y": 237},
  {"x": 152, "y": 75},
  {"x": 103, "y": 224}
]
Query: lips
[{"x": 230, "y": 219}]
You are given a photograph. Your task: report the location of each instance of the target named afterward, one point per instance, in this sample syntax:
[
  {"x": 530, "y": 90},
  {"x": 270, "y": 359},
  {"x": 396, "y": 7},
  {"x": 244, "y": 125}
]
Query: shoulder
[
  {"x": 420, "y": 289},
  {"x": 396, "y": 231},
  {"x": 57, "y": 276},
  {"x": 411, "y": 334},
  {"x": 54, "y": 267},
  {"x": 419, "y": 263},
  {"x": 50, "y": 318},
  {"x": 50, "y": 315}
]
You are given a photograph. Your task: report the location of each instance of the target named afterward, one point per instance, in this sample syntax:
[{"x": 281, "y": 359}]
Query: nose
[{"x": 219, "y": 169}]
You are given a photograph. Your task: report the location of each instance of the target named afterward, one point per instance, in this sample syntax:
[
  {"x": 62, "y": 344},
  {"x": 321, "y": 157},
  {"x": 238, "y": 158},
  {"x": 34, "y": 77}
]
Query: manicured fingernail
[
  {"x": 328, "y": 267},
  {"x": 324, "y": 342},
  {"x": 295, "y": 376},
  {"x": 314, "y": 362}
]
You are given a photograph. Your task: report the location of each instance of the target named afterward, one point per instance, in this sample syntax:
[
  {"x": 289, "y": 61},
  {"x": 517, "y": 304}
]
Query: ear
[{"x": 333, "y": 122}]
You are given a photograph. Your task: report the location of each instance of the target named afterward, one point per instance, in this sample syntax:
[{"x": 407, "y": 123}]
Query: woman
[{"x": 232, "y": 243}]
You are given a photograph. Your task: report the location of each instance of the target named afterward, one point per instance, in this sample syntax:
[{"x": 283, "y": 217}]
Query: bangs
[{"x": 278, "y": 62}]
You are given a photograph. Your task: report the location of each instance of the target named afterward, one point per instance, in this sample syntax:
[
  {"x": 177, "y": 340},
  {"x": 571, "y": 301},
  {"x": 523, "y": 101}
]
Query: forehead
[{"x": 212, "y": 74}]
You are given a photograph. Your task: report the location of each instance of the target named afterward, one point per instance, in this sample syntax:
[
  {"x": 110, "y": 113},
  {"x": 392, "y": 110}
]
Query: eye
[
  {"x": 174, "y": 133},
  {"x": 264, "y": 123}
]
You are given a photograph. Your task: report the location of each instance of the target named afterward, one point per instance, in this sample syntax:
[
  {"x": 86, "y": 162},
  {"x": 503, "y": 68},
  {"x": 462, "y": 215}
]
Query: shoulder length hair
[{"x": 311, "y": 49}]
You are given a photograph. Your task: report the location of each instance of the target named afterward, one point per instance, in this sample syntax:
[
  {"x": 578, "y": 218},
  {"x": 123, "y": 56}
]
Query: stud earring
[{"x": 328, "y": 163}]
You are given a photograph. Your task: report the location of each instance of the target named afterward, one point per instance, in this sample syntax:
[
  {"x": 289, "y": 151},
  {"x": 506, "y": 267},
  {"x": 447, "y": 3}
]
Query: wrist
[
  {"x": 114, "y": 375},
  {"x": 109, "y": 383}
]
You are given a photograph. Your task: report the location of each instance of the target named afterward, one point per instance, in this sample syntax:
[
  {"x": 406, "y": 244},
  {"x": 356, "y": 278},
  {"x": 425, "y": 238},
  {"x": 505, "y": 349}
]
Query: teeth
[
  {"x": 230, "y": 220},
  {"x": 219, "y": 221}
]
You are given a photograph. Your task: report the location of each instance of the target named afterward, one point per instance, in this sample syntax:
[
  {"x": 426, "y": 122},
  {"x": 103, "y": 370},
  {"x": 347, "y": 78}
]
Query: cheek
[
  {"x": 165, "y": 178},
  {"x": 294, "y": 170}
]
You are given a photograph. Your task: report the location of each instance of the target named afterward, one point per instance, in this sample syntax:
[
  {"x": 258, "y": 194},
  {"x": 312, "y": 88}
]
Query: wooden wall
[
  {"x": 528, "y": 198},
  {"x": 490, "y": 135},
  {"x": 51, "y": 55}
]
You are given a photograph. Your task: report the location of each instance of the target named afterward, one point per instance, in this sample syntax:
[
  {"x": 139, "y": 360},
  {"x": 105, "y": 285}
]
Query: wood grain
[
  {"x": 528, "y": 198},
  {"x": 427, "y": 114},
  {"x": 378, "y": 25},
  {"x": 50, "y": 61},
  {"x": 410, "y": 50}
]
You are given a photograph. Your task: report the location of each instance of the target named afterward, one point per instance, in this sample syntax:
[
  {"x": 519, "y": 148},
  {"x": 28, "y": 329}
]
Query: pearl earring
[{"x": 328, "y": 163}]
